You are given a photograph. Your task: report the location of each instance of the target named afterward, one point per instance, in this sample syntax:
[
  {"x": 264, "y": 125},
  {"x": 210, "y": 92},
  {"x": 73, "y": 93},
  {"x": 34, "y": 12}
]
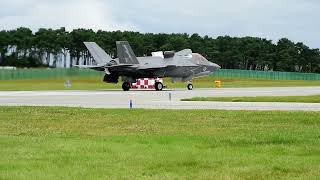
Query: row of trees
[{"x": 59, "y": 48}]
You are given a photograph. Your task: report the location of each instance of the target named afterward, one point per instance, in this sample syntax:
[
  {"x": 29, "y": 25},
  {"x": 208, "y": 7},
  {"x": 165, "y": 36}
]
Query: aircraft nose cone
[{"x": 215, "y": 66}]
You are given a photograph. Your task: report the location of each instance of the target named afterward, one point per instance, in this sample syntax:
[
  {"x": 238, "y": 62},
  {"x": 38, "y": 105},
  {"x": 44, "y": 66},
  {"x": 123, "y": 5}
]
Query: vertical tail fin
[
  {"x": 125, "y": 53},
  {"x": 98, "y": 54}
]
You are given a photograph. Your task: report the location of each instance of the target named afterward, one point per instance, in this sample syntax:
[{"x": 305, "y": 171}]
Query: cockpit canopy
[
  {"x": 185, "y": 54},
  {"x": 200, "y": 59}
]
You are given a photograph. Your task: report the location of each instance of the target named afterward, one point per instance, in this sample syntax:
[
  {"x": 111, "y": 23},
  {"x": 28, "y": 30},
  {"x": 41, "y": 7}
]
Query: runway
[{"x": 160, "y": 100}]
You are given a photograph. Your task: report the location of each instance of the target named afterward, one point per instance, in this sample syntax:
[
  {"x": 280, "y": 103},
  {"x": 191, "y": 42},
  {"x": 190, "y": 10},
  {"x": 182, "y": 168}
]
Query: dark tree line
[{"x": 48, "y": 47}]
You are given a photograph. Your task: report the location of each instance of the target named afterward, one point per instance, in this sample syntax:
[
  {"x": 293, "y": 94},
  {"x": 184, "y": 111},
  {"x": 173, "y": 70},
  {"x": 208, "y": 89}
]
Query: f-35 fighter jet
[{"x": 183, "y": 65}]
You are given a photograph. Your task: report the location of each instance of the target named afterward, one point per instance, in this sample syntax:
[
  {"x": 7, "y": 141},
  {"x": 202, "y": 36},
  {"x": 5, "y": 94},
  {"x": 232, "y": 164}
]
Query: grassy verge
[
  {"x": 95, "y": 83},
  {"x": 75, "y": 143},
  {"x": 301, "y": 99}
]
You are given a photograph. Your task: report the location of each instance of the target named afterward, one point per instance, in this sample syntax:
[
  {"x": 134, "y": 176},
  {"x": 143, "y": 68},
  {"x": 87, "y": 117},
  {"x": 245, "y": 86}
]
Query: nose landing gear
[
  {"x": 158, "y": 86},
  {"x": 190, "y": 86}
]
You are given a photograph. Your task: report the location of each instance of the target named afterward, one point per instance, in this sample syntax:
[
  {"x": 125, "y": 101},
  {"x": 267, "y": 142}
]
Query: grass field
[
  {"x": 75, "y": 143},
  {"x": 95, "y": 83},
  {"x": 302, "y": 99}
]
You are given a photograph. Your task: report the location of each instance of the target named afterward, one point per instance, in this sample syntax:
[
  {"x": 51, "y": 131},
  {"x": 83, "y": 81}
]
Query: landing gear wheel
[
  {"x": 190, "y": 87},
  {"x": 158, "y": 86},
  {"x": 126, "y": 86}
]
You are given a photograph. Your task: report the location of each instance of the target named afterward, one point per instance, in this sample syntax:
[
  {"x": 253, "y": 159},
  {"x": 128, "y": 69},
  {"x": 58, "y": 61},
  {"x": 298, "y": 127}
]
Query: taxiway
[{"x": 160, "y": 100}]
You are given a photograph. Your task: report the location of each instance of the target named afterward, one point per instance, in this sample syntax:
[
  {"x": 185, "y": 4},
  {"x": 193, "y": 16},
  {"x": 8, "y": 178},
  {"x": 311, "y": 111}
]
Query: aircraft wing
[
  {"x": 167, "y": 67},
  {"x": 150, "y": 67},
  {"x": 120, "y": 67},
  {"x": 95, "y": 67}
]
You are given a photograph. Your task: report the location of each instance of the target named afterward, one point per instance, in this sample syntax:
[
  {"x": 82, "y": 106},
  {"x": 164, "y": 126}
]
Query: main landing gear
[{"x": 126, "y": 86}]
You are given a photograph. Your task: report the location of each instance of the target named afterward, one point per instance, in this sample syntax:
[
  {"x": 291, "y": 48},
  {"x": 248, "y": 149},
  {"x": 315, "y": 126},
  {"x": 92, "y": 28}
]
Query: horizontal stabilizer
[
  {"x": 98, "y": 54},
  {"x": 103, "y": 66},
  {"x": 120, "y": 65},
  {"x": 87, "y": 66}
]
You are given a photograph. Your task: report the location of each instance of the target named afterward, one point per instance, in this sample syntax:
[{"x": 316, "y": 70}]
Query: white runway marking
[
  {"x": 54, "y": 93},
  {"x": 160, "y": 100}
]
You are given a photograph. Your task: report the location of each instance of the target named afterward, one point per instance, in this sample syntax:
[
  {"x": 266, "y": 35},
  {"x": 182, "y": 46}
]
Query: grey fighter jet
[{"x": 183, "y": 65}]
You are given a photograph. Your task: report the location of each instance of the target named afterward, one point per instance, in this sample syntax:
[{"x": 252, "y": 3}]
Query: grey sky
[{"x": 272, "y": 19}]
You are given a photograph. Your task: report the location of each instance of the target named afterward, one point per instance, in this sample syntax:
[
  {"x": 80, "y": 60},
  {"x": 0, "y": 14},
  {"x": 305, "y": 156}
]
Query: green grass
[
  {"x": 301, "y": 99},
  {"x": 95, "y": 83},
  {"x": 90, "y": 83},
  {"x": 76, "y": 143}
]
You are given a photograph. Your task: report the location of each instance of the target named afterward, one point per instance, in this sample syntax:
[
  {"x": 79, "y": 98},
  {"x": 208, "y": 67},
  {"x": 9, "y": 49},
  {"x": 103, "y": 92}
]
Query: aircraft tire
[
  {"x": 158, "y": 86},
  {"x": 126, "y": 86},
  {"x": 190, "y": 87}
]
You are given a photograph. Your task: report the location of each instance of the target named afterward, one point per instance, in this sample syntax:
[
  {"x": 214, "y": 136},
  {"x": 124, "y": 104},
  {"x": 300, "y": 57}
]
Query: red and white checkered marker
[{"x": 146, "y": 83}]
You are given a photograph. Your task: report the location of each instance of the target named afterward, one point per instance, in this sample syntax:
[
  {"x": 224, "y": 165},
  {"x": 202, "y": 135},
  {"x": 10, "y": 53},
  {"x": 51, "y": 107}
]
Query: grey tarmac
[{"x": 149, "y": 99}]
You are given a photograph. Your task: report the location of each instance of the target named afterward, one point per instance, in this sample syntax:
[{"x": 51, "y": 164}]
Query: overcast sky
[{"x": 297, "y": 20}]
